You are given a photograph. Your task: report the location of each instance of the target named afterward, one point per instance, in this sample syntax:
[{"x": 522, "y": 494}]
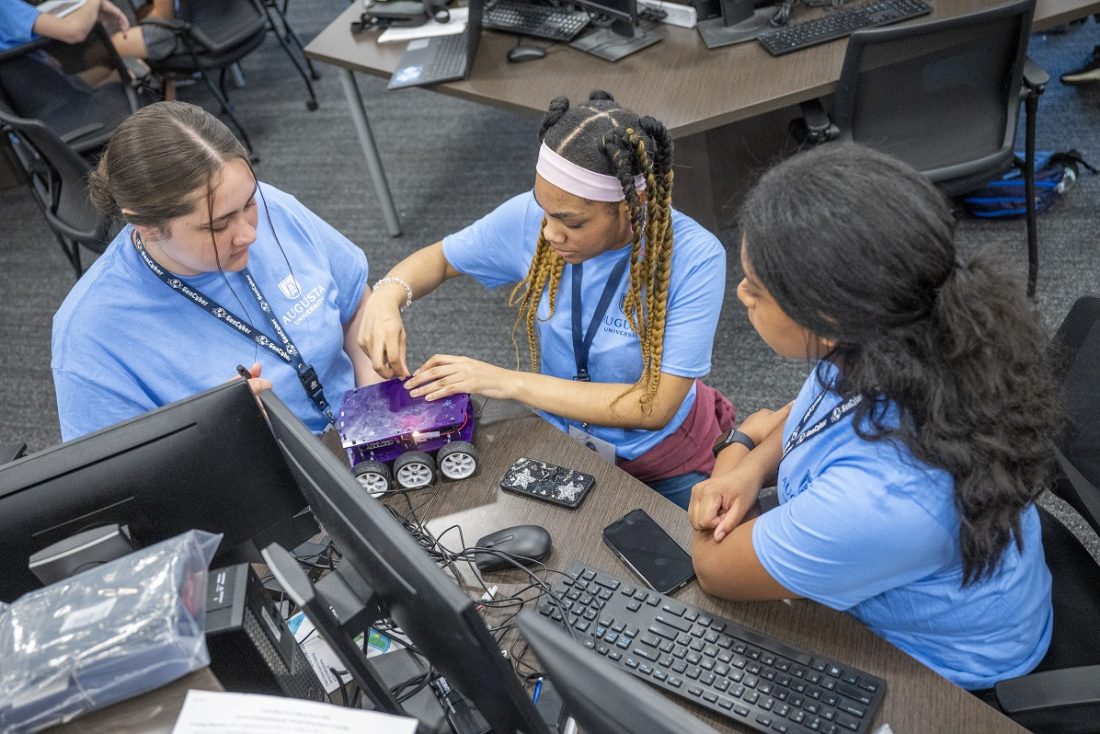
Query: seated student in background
[
  {"x": 21, "y": 22},
  {"x": 909, "y": 463},
  {"x": 212, "y": 269},
  {"x": 618, "y": 292}
]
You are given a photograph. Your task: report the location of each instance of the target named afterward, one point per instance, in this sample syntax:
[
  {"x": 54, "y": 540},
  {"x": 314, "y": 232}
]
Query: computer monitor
[
  {"x": 600, "y": 698},
  {"x": 614, "y": 32},
  {"x": 207, "y": 462},
  {"x": 621, "y": 16},
  {"x": 440, "y": 619},
  {"x": 738, "y": 21}
]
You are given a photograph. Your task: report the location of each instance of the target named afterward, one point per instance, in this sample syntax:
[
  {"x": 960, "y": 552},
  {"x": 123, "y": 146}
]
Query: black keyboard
[
  {"x": 448, "y": 58},
  {"x": 840, "y": 24},
  {"x": 736, "y": 672},
  {"x": 543, "y": 21}
]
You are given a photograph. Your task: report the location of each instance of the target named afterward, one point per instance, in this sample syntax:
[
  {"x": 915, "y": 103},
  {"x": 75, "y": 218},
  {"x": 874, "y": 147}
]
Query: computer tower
[{"x": 251, "y": 648}]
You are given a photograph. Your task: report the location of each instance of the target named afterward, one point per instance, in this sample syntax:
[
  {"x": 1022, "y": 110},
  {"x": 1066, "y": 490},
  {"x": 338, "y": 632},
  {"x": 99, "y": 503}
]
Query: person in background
[
  {"x": 21, "y": 22},
  {"x": 618, "y": 294},
  {"x": 212, "y": 269},
  {"x": 909, "y": 464}
]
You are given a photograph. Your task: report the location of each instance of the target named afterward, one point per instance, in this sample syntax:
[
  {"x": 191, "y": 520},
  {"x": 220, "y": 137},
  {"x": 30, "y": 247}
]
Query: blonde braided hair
[{"x": 620, "y": 149}]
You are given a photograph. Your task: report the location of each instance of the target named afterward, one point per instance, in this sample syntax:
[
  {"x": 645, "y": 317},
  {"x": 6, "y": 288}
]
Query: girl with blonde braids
[{"x": 617, "y": 293}]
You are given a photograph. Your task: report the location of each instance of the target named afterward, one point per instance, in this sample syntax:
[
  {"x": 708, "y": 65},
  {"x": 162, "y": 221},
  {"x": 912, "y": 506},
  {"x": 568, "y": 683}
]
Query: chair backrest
[
  {"x": 942, "y": 95},
  {"x": 1076, "y": 355},
  {"x": 58, "y": 178},
  {"x": 81, "y": 91},
  {"x": 221, "y": 25}
]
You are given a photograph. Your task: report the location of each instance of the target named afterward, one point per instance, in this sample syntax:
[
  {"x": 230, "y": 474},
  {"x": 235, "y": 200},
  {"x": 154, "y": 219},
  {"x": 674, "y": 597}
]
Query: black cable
[{"x": 337, "y": 675}]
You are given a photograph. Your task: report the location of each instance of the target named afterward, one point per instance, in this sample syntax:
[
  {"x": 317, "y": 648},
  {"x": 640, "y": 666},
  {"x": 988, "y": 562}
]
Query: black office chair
[
  {"x": 1062, "y": 695},
  {"x": 57, "y": 176},
  {"x": 292, "y": 43},
  {"x": 944, "y": 96},
  {"x": 81, "y": 91},
  {"x": 213, "y": 35}
]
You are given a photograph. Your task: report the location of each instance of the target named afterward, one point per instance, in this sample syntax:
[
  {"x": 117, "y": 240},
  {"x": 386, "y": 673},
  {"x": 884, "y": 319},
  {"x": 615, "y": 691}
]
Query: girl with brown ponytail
[{"x": 617, "y": 293}]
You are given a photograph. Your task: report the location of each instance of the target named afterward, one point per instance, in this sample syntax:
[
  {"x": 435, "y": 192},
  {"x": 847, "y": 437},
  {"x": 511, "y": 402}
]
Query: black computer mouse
[
  {"x": 525, "y": 544},
  {"x": 518, "y": 54}
]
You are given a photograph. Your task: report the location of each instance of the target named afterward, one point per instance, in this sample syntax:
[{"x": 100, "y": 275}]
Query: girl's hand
[
  {"x": 722, "y": 502},
  {"x": 445, "y": 374},
  {"x": 109, "y": 14},
  {"x": 382, "y": 337}
]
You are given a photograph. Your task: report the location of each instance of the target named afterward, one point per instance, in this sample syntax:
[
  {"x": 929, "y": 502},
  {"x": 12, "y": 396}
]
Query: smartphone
[
  {"x": 649, "y": 551},
  {"x": 540, "y": 480}
]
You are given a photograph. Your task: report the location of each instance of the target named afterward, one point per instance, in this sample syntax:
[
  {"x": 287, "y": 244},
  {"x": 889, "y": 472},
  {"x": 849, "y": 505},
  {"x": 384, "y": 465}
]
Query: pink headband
[{"x": 579, "y": 181}]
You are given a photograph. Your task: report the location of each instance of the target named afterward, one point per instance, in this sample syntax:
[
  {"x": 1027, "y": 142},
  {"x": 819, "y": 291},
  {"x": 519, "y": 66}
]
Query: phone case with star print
[{"x": 547, "y": 482}]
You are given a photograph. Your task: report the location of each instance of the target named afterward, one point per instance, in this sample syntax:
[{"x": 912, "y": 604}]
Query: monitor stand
[
  {"x": 740, "y": 21},
  {"x": 610, "y": 45}
]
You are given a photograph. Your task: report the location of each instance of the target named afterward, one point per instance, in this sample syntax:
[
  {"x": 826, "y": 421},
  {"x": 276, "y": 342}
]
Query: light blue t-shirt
[
  {"x": 125, "y": 343},
  {"x": 16, "y": 23},
  {"x": 498, "y": 248},
  {"x": 863, "y": 527}
]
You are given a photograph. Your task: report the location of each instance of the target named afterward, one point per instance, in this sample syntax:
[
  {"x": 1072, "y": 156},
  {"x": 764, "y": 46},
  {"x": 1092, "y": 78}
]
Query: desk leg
[{"x": 370, "y": 150}]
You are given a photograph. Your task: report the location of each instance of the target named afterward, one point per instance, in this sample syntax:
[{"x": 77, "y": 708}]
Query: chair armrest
[
  {"x": 172, "y": 24},
  {"x": 1054, "y": 700},
  {"x": 1036, "y": 77},
  {"x": 25, "y": 48},
  {"x": 80, "y": 132},
  {"x": 814, "y": 126}
]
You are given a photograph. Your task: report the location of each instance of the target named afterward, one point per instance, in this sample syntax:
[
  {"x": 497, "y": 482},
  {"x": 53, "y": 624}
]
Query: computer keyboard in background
[
  {"x": 741, "y": 674},
  {"x": 840, "y": 23},
  {"x": 557, "y": 24}
]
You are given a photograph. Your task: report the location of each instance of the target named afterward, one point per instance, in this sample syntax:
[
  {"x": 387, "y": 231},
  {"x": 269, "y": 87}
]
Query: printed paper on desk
[
  {"x": 456, "y": 24},
  {"x": 216, "y": 712}
]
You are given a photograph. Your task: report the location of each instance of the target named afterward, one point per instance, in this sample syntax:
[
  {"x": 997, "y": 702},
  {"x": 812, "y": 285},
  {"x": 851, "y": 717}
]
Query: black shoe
[{"x": 1087, "y": 74}]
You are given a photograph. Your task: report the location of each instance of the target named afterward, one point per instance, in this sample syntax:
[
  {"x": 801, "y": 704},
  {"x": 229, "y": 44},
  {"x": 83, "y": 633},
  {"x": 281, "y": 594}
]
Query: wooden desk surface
[
  {"x": 917, "y": 699},
  {"x": 679, "y": 81}
]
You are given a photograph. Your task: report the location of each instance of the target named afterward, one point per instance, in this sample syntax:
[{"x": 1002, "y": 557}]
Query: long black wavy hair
[{"x": 858, "y": 248}]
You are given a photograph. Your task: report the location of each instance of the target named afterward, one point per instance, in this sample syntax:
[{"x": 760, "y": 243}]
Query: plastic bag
[{"x": 106, "y": 634}]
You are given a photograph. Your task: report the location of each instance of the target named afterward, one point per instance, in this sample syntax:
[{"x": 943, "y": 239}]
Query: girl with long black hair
[{"x": 908, "y": 465}]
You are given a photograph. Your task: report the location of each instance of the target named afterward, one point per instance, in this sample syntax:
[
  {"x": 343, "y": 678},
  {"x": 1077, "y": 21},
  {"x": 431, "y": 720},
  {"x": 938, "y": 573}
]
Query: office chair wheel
[
  {"x": 457, "y": 460},
  {"x": 374, "y": 476},
  {"x": 311, "y": 105},
  {"x": 413, "y": 470}
]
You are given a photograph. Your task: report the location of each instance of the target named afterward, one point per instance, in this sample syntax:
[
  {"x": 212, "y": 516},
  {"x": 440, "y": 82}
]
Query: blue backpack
[{"x": 1055, "y": 174}]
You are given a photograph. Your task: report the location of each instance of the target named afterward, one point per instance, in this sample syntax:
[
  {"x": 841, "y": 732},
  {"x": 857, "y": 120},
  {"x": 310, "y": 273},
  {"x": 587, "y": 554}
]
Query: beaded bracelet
[{"x": 403, "y": 284}]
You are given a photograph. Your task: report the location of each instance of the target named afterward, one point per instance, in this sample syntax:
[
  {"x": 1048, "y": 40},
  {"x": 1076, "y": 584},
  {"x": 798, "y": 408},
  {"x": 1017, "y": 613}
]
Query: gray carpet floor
[{"x": 450, "y": 161}]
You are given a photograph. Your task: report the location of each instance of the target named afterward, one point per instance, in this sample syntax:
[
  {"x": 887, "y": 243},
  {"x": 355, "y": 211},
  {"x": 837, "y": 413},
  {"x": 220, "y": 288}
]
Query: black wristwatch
[{"x": 732, "y": 437}]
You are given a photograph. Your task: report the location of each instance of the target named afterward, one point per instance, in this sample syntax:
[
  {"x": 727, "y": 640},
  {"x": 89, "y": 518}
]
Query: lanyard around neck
[
  {"x": 284, "y": 349},
  {"x": 582, "y": 344},
  {"x": 801, "y": 434}
]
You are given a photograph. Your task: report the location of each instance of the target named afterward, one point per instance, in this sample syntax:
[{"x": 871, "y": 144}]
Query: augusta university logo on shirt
[
  {"x": 618, "y": 323},
  {"x": 290, "y": 287},
  {"x": 305, "y": 302}
]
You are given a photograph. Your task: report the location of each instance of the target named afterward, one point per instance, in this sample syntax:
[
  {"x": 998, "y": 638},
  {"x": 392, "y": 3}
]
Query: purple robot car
[{"x": 382, "y": 423}]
